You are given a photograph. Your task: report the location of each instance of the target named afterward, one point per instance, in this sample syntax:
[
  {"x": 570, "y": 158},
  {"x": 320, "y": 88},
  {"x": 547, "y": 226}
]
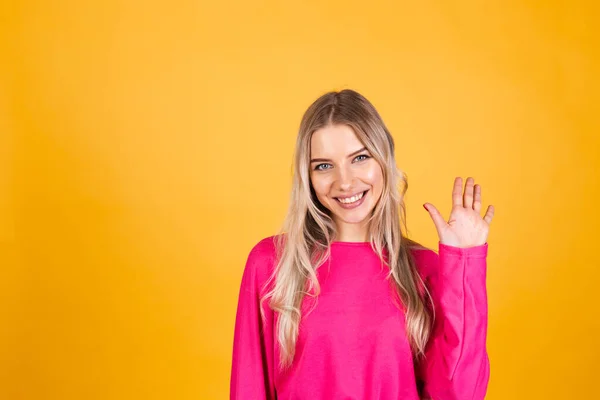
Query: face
[{"x": 346, "y": 179}]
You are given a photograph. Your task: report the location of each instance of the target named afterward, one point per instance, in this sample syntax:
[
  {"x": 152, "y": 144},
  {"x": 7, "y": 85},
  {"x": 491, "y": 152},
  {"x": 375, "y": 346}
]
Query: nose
[{"x": 344, "y": 179}]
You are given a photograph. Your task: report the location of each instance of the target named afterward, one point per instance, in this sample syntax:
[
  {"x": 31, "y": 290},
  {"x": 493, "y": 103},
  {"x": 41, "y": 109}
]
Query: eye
[
  {"x": 318, "y": 167},
  {"x": 362, "y": 155}
]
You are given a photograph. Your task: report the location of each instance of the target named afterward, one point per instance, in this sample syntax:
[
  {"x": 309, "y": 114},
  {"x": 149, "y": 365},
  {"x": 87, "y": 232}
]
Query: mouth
[{"x": 352, "y": 200}]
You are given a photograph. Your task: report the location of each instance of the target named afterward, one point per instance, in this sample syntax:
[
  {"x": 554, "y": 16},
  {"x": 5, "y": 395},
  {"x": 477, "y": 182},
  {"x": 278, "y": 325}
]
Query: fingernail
[{"x": 425, "y": 207}]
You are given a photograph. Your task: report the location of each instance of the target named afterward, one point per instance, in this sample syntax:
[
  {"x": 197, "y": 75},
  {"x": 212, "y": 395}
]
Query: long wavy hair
[{"x": 303, "y": 242}]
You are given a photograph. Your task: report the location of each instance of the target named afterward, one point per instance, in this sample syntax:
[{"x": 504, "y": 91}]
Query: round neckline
[{"x": 351, "y": 243}]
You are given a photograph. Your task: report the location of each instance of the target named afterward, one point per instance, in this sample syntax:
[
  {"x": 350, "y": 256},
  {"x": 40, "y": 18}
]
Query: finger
[
  {"x": 468, "y": 195},
  {"x": 489, "y": 214},
  {"x": 477, "y": 199},
  {"x": 457, "y": 192},
  {"x": 435, "y": 215}
]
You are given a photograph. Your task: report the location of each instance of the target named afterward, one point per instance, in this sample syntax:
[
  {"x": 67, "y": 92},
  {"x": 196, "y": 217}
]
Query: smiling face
[{"x": 346, "y": 179}]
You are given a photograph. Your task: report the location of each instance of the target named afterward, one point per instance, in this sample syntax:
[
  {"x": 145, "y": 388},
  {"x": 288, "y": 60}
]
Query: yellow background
[{"x": 146, "y": 146}]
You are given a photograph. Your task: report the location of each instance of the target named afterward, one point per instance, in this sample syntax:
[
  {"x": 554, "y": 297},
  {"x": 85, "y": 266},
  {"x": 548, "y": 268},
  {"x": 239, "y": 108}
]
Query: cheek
[
  {"x": 374, "y": 176},
  {"x": 320, "y": 185}
]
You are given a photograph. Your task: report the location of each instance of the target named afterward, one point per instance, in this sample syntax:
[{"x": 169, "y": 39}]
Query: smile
[{"x": 351, "y": 199}]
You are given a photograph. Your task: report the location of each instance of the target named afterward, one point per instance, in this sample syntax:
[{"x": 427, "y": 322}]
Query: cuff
[{"x": 474, "y": 251}]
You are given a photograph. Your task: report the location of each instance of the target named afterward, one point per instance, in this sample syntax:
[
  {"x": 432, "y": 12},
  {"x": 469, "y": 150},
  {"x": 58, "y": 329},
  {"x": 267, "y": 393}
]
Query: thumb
[{"x": 435, "y": 215}]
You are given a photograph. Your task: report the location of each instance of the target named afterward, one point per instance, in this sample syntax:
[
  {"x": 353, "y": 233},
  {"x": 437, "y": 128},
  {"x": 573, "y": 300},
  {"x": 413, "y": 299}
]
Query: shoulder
[
  {"x": 265, "y": 248},
  {"x": 261, "y": 258}
]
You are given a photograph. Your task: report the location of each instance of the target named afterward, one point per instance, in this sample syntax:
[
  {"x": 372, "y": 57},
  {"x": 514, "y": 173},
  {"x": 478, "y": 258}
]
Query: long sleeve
[
  {"x": 252, "y": 373},
  {"x": 456, "y": 366}
]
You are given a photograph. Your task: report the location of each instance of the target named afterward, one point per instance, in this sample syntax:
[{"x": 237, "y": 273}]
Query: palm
[{"x": 465, "y": 227}]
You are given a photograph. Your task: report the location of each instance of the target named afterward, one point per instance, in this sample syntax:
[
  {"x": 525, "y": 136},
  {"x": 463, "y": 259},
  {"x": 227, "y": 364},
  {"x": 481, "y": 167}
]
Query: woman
[{"x": 341, "y": 304}]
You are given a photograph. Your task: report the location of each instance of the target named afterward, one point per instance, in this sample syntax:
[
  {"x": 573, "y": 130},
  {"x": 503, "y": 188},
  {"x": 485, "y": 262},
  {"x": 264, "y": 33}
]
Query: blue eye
[
  {"x": 321, "y": 167},
  {"x": 318, "y": 167}
]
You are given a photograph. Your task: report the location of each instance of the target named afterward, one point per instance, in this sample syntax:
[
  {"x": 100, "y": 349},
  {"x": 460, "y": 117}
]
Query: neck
[{"x": 347, "y": 232}]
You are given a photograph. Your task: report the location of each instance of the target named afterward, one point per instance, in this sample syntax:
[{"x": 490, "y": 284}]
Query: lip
[
  {"x": 352, "y": 195},
  {"x": 355, "y": 204}
]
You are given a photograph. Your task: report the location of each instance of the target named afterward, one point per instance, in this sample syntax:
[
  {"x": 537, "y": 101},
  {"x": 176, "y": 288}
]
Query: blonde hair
[{"x": 306, "y": 234}]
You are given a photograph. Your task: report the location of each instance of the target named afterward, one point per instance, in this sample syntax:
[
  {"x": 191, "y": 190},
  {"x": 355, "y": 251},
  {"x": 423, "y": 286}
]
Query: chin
[{"x": 353, "y": 218}]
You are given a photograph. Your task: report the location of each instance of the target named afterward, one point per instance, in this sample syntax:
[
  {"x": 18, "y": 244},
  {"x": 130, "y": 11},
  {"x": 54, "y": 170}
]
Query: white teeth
[{"x": 352, "y": 199}]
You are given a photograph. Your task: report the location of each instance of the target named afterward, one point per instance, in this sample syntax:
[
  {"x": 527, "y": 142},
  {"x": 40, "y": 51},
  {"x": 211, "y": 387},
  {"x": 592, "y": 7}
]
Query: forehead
[{"x": 334, "y": 140}]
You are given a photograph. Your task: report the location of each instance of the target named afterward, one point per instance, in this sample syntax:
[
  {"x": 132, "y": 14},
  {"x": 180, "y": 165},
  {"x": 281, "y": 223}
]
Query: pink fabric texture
[{"x": 353, "y": 344}]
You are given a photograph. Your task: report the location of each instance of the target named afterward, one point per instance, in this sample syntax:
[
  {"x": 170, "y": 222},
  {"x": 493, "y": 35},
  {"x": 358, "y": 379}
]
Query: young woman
[{"x": 341, "y": 304}]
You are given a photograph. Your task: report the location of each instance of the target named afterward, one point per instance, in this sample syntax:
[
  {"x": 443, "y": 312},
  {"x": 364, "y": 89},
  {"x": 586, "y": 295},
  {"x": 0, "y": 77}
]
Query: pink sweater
[{"x": 353, "y": 344}]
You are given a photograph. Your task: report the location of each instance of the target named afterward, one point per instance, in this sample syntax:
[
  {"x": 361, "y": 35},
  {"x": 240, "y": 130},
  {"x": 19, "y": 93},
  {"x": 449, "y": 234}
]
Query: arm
[
  {"x": 252, "y": 360},
  {"x": 457, "y": 366}
]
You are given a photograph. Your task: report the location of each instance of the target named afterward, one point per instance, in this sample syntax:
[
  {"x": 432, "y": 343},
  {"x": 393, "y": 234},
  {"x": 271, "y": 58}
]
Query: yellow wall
[{"x": 146, "y": 146}]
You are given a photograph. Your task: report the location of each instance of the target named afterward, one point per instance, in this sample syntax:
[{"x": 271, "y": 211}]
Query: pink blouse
[{"x": 353, "y": 344}]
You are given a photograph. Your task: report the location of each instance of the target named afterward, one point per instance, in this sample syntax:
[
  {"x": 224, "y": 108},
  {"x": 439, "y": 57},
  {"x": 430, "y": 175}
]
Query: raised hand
[{"x": 465, "y": 228}]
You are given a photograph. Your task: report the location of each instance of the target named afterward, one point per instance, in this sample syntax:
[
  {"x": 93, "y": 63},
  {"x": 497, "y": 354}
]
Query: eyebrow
[{"x": 325, "y": 159}]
